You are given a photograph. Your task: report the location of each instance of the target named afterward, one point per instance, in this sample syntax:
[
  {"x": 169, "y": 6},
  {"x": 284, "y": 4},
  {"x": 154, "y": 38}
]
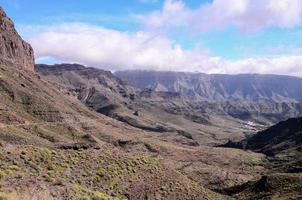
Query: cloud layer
[
  {"x": 115, "y": 50},
  {"x": 112, "y": 49}
]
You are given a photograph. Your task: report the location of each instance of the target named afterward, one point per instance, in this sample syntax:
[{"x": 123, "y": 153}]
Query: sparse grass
[
  {"x": 87, "y": 194},
  {"x": 92, "y": 173},
  {"x": 8, "y": 196},
  {"x": 13, "y": 195},
  {"x": 2, "y": 174}
]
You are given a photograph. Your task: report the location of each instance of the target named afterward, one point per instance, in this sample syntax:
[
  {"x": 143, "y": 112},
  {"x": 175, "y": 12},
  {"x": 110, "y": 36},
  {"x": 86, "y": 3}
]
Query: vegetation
[{"x": 90, "y": 174}]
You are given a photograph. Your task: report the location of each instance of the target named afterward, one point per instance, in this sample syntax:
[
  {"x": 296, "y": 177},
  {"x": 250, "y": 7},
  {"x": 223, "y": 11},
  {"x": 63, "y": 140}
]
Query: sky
[{"x": 210, "y": 36}]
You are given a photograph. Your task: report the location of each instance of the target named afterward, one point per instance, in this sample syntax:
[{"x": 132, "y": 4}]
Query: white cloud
[
  {"x": 290, "y": 65},
  {"x": 110, "y": 49},
  {"x": 247, "y": 15},
  {"x": 114, "y": 50}
]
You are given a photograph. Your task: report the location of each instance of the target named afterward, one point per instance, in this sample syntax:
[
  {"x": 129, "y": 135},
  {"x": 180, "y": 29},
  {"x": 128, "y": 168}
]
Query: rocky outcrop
[{"x": 13, "y": 48}]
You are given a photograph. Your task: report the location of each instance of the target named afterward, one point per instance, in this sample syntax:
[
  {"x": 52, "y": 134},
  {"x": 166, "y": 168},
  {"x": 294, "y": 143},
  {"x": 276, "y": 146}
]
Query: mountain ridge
[{"x": 220, "y": 87}]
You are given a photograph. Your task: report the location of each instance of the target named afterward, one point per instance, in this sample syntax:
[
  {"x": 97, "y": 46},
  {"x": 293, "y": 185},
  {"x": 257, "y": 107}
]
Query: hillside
[
  {"x": 96, "y": 88},
  {"x": 283, "y": 146},
  {"x": 284, "y": 136},
  {"x": 281, "y": 142}
]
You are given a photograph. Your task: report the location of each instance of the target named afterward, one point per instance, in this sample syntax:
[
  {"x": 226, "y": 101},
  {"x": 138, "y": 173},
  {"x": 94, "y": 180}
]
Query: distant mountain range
[
  {"x": 219, "y": 87},
  {"x": 193, "y": 118}
]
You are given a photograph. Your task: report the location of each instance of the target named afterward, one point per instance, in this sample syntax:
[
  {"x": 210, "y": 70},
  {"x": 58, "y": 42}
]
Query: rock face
[{"x": 12, "y": 48}]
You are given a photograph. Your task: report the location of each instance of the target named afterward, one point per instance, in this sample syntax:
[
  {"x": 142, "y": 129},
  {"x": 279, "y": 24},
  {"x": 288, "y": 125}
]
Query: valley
[{"x": 68, "y": 131}]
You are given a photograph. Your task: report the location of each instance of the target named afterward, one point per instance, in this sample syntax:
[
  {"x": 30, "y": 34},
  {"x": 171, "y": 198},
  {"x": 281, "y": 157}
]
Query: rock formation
[{"x": 13, "y": 48}]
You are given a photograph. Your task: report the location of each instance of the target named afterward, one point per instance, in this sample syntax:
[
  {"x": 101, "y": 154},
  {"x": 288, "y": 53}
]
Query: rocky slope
[
  {"x": 12, "y": 48},
  {"x": 219, "y": 87},
  {"x": 96, "y": 88}
]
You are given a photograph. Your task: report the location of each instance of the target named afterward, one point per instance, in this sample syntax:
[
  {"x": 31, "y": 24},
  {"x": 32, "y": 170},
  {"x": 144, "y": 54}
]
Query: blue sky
[{"x": 215, "y": 34}]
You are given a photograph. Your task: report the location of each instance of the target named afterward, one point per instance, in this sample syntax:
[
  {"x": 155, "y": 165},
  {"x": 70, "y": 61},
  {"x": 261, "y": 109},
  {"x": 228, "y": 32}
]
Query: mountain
[
  {"x": 219, "y": 87},
  {"x": 187, "y": 119},
  {"x": 170, "y": 114}
]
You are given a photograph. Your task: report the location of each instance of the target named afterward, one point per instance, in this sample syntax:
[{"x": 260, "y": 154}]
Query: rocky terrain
[{"x": 58, "y": 142}]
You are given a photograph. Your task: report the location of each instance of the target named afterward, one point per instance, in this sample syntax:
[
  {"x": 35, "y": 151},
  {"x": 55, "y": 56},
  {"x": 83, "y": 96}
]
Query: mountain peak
[{"x": 13, "y": 48}]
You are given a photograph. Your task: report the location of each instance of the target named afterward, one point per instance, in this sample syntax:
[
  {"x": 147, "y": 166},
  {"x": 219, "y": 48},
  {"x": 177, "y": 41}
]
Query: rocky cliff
[{"x": 12, "y": 48}]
